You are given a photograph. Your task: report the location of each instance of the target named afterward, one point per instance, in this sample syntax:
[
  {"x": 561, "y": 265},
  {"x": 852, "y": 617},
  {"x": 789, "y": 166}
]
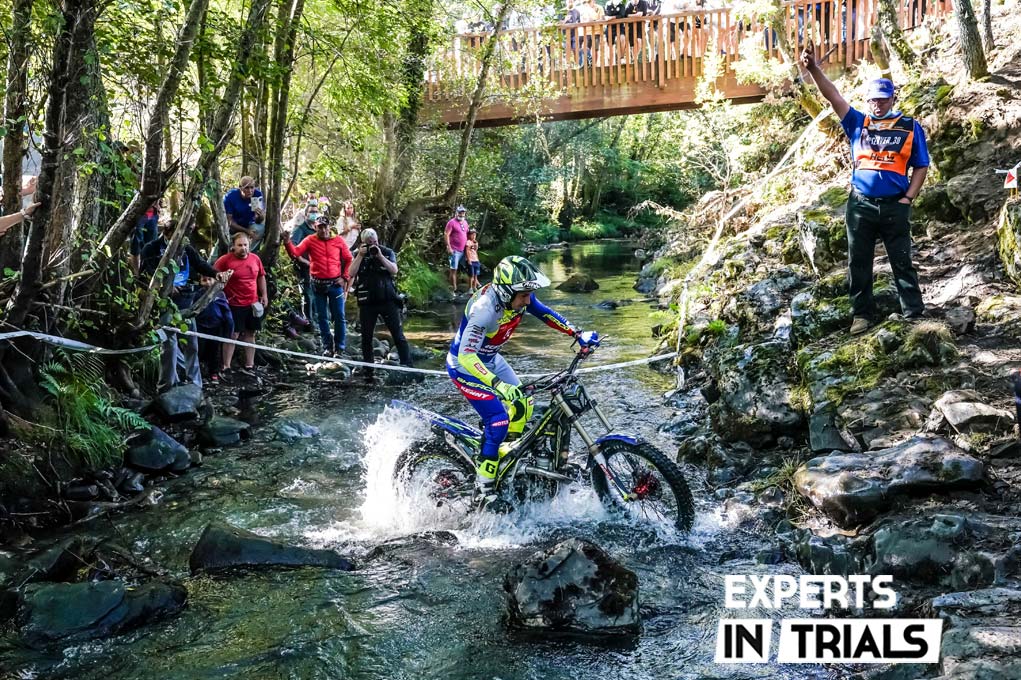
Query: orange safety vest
[{"x": 885, "y": 144}]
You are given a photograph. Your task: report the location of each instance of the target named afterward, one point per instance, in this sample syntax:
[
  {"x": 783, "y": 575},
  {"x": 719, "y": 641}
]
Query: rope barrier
[{"x": 85, "y": 347}]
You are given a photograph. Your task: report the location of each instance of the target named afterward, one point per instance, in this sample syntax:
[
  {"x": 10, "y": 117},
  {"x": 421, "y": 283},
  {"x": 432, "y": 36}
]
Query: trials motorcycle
[{"x": 627, "y": 473}]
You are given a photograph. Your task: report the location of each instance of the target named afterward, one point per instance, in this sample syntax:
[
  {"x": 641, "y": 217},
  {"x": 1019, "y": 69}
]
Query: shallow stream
[{"x": 423, "y": 603}]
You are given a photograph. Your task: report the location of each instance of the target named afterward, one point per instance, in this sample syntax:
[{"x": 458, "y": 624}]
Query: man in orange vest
[{"x": 890, "y": 161}]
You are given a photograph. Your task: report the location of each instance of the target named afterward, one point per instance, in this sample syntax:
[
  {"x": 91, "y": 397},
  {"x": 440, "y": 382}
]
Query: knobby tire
[{"x": 657, "y": 460}]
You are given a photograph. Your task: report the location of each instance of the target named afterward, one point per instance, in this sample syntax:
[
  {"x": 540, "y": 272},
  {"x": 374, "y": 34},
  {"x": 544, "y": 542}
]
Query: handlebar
[{"x": 549, "y": 381}]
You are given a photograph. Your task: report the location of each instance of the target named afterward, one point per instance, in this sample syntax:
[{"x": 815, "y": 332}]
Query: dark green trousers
[{"x": 890, "y": 220}]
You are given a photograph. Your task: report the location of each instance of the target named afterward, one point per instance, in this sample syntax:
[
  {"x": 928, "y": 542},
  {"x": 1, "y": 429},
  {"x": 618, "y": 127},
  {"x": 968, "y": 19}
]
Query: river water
[{"x": 426, "y": 600}]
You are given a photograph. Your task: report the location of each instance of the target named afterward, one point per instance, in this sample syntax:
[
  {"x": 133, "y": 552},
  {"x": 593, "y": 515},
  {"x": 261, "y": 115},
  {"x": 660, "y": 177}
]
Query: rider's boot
[{"x": 486, "y": 496}]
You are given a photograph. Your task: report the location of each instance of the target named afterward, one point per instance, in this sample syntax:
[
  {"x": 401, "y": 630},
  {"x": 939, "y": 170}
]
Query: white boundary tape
[{"x": 84, "y": 347}]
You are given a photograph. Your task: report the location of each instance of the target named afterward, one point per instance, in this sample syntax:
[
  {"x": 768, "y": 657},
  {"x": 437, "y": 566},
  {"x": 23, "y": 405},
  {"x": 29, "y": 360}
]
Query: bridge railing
[{"x": 657, "y": 49}]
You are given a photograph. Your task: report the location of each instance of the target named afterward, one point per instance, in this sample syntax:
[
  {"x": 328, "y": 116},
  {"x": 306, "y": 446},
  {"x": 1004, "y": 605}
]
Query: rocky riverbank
[{"x": 895, "y": 451}]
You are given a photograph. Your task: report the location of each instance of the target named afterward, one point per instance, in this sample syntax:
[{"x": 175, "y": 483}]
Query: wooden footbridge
[{"x": 641, "y": 64}]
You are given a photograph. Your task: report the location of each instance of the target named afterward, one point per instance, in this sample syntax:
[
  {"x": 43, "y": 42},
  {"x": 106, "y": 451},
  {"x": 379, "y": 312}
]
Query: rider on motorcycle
[{"x": 475, "y": 366}]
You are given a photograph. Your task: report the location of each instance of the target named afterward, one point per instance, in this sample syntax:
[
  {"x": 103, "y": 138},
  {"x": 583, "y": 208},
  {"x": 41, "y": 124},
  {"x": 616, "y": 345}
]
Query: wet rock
[
  {"x": 758, "y": 305},
  {"x": 223, "y": 547},
  {"x": 827, "y": 554},
  {"x": 179, "y": 403},
  {"x": 824, "y": 435},
  {"x": 961, "y": 320},
  {"x": 579, "y": 283},
  {"x": 974, "y": 195},
  {"x": 822, "y": 237},
  {"x": 80, "y": 492},
  {"x": 759, "y": 394},
  {"x": 59, "y": 562},
  {"x": 608, "y": 305},
  {"x": 646, "y": 286},
  {"x": 293, "y": 430},
  {"x": 933, "y": 550},
  {"x": 132, "y": 484},
  {"x": 220, "y": 431},
  {"x": 854, "y": 488},
  {"x": 56, "y": 611},
  {"x": 574, "y": 587},
  {"x": 813, "y": 317},
  {"x": 421, "y": 353},
  {"x": 155, "y": 451},
  {"x": 965, "y": 413},
  {"x": 984, "y": 639}
]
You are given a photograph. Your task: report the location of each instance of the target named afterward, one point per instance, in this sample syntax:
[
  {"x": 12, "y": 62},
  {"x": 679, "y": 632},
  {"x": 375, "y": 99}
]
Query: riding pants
[{"x": 498, "y": 418}]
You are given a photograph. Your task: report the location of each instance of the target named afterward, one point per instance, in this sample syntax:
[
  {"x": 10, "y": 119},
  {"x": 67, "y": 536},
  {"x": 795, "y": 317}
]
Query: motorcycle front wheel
[
  {"x": 433, "y": 470},
  {"x": 649, "y": 486}
]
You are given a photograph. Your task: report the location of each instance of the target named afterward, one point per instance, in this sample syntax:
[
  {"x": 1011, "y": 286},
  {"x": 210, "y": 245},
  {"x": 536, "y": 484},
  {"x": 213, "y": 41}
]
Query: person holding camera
[
  {"x": 375, "y": 267},
  {"x": 329, "y": 261}
]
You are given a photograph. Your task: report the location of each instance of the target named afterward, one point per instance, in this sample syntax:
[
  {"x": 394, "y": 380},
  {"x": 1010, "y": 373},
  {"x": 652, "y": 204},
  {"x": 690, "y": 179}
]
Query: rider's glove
[
  {"x": 588, "y": 339},
  {"x": 507, "y": 391}
]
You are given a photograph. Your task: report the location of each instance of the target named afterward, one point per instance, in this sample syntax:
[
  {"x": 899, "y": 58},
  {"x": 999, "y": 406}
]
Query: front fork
[{"x": 593, "y": 447}]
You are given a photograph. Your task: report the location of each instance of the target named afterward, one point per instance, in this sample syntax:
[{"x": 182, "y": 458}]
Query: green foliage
[
  {"x": 92, "y": 429},
  {"x": 418, "y": 278}
]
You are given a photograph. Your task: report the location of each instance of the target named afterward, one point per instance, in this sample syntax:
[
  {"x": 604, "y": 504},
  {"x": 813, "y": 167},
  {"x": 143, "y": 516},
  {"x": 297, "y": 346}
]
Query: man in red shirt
[
  {"x": 456, "y": 234},
  {"x": 329, "y": 263},
  {"x": 246, "y": 295}
]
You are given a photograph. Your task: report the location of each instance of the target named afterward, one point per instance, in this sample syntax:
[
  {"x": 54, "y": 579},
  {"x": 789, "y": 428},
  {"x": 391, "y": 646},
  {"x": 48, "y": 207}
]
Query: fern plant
[{"x": 93, "y": 429}]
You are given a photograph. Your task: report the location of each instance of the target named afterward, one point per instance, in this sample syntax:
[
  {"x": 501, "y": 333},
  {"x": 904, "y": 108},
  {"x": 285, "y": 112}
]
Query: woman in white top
[{"x": 350, "y": 227}]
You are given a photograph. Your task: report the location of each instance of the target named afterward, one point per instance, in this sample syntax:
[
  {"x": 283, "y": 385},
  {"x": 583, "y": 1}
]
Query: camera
[{"x": 373, "y": 250}]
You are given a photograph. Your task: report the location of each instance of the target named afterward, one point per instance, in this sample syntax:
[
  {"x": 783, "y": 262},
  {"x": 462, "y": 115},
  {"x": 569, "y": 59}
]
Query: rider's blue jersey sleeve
[{"x": 550, "y": 317}]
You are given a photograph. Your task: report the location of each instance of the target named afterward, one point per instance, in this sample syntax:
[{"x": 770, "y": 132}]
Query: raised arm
[{"x": 825, "y": 85}]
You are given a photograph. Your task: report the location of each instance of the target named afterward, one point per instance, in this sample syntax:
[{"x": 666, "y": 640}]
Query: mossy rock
[
  {"x": 1008, "y": 234},
  {"x": 760, "y": 398},
  {"x": 933, "y": 204},
  {"x": 822, "y": 236},
  {"x": 1000, "y": 309}
]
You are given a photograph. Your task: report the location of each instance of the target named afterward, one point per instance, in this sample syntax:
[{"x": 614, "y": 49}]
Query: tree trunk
[
  {"x": 154, "y": 178},
  {"x": 409, "y": 215},
  {"x": 84, "y": 119},
  {"x": 28, "y": 288},
  {"x": 893, "y": 35},
  {"x": 987, "y": 25},
  {"x": 775, "y": 22},
  {"x": 880, "y": 52},
  {"x": 221, "y": 133},
  {"x": 971, "y": 43},
  {"x": 288, "y": 19},
  {"x": 15, "y": 114}
]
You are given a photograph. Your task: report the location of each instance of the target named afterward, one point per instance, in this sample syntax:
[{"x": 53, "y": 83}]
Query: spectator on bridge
[
  {"x": 573, "y": 16},
  {"x": 615, "y": 33},
  {"x": 246, "y": 213},
  {"x": 636, "y": 29},
  {"x": 890, "y": 161}
]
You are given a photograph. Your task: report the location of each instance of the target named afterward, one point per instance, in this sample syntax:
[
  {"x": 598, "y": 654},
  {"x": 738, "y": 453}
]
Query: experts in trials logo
[{"x": 822, "y": 640}]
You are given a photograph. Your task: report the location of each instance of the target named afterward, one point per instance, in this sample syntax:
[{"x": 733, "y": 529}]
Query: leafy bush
[
  {"x": 417, "y": 278},
  {"x": 92, "y": 429}
]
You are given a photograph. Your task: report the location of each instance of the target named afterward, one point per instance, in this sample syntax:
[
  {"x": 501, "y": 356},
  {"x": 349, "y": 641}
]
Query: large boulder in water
[
  {"x": 854, "y": 488},
  {"x": 574, "y": 587},
  {"x": 579, "y": 283},
  {"x": 57, "y": 611},
  {"x": 221, "y": 431},
  {"x": 156, "y": 450},
  {"x": 223, "y": 547},
  {"x": 180, "y": 402}
]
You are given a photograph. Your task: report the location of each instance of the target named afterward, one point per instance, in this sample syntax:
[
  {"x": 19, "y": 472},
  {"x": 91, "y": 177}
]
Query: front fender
[{"x": 618, "y": 437}]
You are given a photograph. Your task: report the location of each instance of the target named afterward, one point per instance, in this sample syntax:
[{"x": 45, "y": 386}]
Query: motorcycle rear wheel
[
  {"x": 655, "y": 486},
  {"x": 433, "y": 468}
]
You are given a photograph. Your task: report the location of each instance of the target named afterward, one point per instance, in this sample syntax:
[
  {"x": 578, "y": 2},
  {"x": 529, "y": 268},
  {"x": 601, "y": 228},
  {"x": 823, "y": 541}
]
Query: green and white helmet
[{"x": 515, "y": 274}]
